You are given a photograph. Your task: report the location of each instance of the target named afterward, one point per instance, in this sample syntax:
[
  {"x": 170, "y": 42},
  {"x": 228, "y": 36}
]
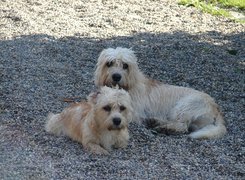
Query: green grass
[
  {"x": 240, "y": 4},
  {"x": 217, "y": 7}
]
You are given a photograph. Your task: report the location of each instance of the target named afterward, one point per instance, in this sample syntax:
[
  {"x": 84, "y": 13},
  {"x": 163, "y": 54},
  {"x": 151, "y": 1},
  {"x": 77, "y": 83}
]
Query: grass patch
[
  {"x": 217, "y": 7},
  {"x": 239, "y": 4}
]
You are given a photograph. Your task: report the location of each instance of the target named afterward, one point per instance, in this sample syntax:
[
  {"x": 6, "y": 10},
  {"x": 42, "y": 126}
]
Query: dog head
[
  {"x": 117, "y": 67},
  {"x": 112, "y": 108}
]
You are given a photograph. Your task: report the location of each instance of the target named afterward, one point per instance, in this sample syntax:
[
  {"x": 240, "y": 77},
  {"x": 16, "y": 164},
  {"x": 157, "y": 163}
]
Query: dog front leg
[
  {"x": 155, "y": 122},
  {"x": 151, "y": 122},
  {"x": 122, "y": 139},
  {"x": 172, "y": 127},
  {"x": 96, "y": 149}
]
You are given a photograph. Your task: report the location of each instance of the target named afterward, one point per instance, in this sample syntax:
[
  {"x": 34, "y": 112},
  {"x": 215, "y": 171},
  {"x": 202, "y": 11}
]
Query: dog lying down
[
  {"x": 170, "y": 109},
  {"x": 99, "y": 124}
]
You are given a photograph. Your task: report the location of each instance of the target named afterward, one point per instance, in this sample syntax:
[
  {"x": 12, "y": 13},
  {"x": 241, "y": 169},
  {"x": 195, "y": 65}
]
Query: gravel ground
[{"x": 48, "y": 51}]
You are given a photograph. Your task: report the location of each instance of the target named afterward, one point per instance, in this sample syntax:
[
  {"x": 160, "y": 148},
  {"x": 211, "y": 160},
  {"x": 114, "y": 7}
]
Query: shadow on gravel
[{"x": 39, "y": 71}]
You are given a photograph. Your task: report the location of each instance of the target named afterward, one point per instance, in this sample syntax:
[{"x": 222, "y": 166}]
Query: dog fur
[
  {"x": 99, "y": 124},
  {"x": 170, "y": 109}
]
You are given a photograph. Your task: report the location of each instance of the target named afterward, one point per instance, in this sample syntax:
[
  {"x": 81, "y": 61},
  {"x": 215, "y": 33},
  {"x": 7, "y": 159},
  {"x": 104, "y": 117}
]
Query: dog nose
[
  {"x": 116, "y": 121},
  {"x": 116, "y": 77}
]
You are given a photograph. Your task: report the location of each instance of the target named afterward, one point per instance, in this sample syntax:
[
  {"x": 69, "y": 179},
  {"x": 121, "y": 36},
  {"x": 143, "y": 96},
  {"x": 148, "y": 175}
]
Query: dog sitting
[
  {"x": 99, "y": 124},
  {"x": 170, "y": 109}
]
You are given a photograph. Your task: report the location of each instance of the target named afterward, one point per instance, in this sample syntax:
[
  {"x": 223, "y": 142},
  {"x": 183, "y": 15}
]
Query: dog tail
[
  {"x": 54, "y": 124},
  {"x": 211, "y": 131}
]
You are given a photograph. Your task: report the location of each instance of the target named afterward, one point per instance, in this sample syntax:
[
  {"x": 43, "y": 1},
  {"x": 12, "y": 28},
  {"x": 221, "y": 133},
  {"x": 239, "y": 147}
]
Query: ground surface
[{"x": 48, "y": 51}]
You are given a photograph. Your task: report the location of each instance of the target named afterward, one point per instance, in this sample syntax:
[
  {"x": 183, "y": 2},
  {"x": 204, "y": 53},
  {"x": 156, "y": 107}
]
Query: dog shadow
[{"x": 39, "y": 71}]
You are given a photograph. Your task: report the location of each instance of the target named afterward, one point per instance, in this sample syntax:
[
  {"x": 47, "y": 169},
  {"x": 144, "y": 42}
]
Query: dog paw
[
  {"x": 97, "y": 149},
  {"x": 122, "y": 144},
  {"x": 163, "y": 129},
  {"x": 101, "y": 152},
  {"x": 151, "y": 123}
]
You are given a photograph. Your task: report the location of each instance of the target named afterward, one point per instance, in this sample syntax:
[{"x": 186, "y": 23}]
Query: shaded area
[{"x": 38, "y": 71}]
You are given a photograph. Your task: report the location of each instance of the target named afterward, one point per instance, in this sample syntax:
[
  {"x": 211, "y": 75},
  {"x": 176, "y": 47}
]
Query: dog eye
[
  {"x": 125, "y": 66},
  {"x": 109, "y": 63},
  {"x": 122, "y": 108},
  {"x": 107, "y": 108}
]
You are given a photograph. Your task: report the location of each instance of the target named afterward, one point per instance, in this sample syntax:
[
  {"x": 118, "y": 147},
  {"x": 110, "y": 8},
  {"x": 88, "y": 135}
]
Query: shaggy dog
[
  {"x": 171, "y": 109},
  {"x": 99, "y": 124}
]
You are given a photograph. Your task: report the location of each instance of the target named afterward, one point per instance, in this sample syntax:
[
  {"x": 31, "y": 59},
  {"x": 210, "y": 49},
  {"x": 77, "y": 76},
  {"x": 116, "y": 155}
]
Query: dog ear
[{"x": 92, "y": 97}]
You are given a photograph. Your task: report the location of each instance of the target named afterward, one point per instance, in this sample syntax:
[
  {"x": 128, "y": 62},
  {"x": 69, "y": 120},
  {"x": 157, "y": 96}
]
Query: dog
[
  {"x": 169, "y": 109},
  {"x": 100, "y": 124}
]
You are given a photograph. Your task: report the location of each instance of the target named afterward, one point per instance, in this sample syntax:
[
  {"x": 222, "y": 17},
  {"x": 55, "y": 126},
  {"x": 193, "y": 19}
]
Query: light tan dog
[
  {"x": 99, "y": 124},
  {"x": 174, "y": 109}
]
